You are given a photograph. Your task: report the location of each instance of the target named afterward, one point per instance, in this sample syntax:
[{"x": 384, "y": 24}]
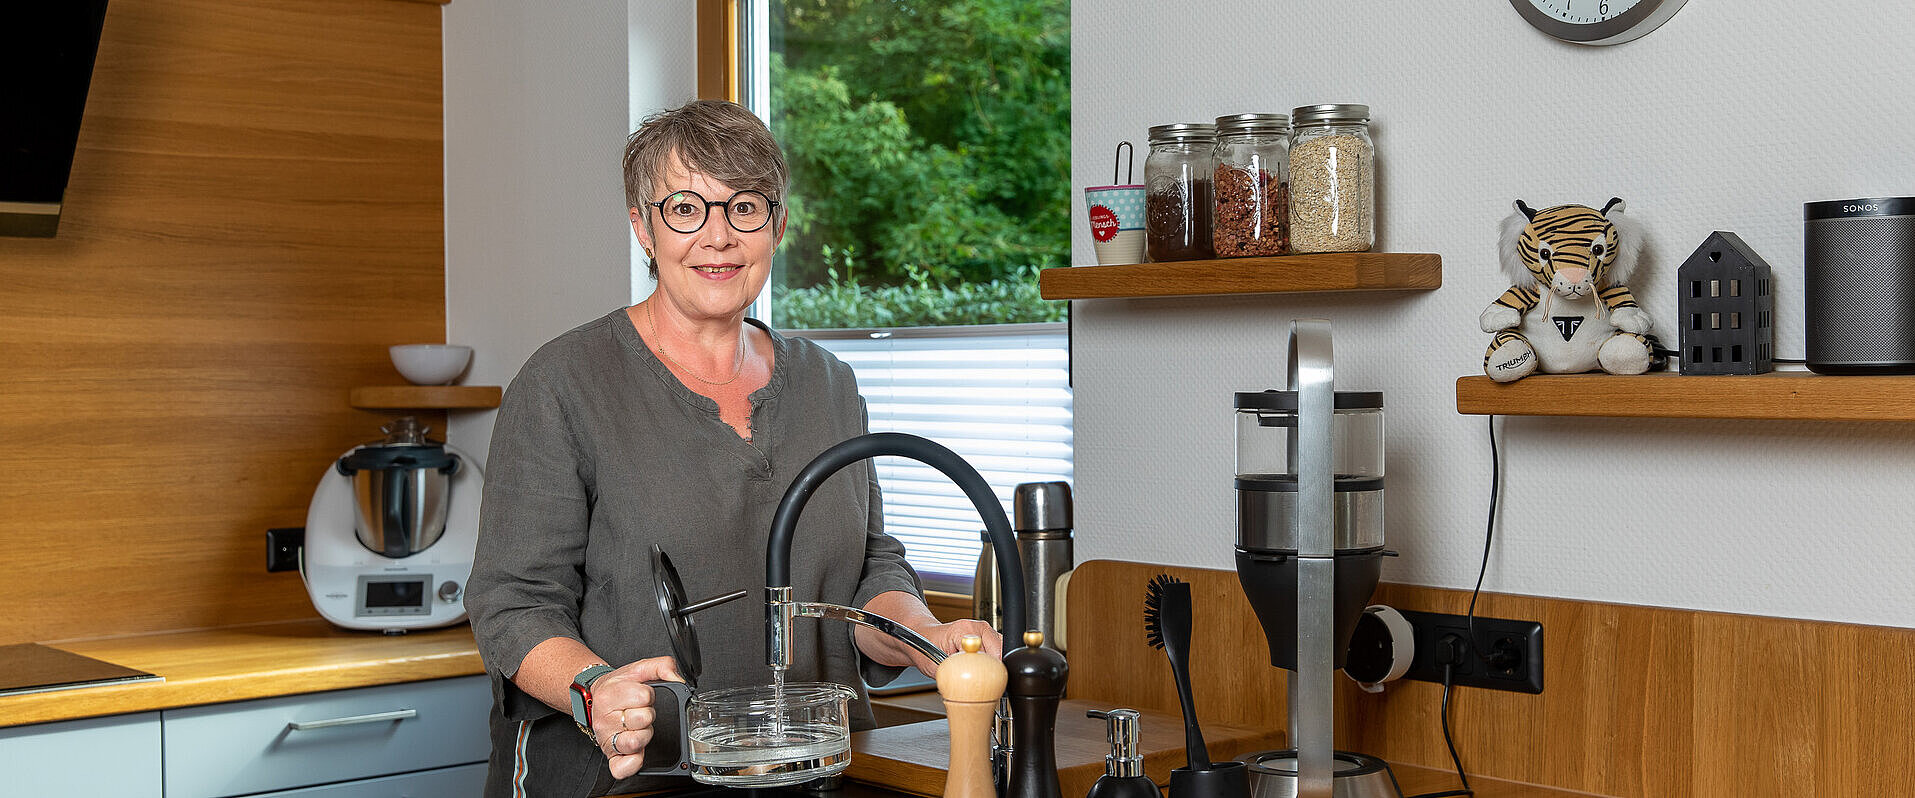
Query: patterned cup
[{"x": 1116, "y": 223}]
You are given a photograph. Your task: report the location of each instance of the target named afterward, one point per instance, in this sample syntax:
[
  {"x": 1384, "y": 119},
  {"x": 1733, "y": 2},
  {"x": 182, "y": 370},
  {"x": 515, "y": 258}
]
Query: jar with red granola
[{"x": 1252, "y": 186}]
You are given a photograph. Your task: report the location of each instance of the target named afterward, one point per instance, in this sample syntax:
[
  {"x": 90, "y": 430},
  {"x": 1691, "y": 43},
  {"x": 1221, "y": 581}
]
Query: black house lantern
[{"x": 1726, "y": 308}]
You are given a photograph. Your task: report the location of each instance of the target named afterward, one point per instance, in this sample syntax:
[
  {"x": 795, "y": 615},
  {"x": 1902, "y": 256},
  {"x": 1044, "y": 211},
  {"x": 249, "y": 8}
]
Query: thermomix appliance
[{"x": 391, "y": 532}]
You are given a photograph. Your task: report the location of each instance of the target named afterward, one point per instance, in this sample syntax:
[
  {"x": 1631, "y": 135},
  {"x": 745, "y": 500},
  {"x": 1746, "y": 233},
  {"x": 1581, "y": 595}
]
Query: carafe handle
[{"x": 670, "y": 751}]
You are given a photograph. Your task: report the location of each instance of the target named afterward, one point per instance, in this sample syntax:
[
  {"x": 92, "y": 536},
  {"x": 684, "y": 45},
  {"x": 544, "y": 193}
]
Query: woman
[{"x": 677, "y": 421}]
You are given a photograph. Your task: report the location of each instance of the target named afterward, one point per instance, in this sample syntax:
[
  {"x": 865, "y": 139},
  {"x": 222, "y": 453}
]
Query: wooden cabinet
[{"x": 117, "y": 756}]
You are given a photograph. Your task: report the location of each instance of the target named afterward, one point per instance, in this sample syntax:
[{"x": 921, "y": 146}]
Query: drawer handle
[{"x": 376, "y": 717}]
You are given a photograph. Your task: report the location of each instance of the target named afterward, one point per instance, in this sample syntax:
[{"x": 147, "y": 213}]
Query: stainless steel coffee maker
[{"x": 1309, "y": 554}]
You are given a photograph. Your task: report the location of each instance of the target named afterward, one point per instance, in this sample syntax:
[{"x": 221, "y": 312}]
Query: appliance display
[{"x": 391, "y": 532}]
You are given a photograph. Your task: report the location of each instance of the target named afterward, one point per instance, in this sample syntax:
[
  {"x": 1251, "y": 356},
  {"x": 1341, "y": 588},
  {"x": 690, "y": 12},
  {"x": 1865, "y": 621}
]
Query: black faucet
[{"x": 780, "y": 609}]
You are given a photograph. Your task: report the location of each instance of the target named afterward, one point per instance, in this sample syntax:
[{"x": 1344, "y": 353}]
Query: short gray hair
[{"x": 720, "y": 139}]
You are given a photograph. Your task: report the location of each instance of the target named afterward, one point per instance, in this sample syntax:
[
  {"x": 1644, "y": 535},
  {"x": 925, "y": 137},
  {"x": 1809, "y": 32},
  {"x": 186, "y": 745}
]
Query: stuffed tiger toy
[{"x": 1568, "y": 309}]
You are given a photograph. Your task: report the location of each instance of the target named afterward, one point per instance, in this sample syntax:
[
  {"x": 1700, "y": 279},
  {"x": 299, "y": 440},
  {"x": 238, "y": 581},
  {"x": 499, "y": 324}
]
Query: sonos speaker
[{"x": 1858, "y": 289}]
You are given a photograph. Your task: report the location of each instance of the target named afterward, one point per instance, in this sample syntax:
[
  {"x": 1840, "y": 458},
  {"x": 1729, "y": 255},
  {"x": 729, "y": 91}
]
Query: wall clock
[{"x": 1596, "y": 21}]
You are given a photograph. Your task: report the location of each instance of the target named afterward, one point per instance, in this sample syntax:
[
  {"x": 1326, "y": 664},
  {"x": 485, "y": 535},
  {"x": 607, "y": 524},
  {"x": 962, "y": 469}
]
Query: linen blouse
[{"x": 598, "y": 452}]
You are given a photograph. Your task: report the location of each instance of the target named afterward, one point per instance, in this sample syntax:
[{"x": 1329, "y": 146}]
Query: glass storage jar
[
  {"x": 1252, "y": 186},
  {"x": 1332, "y": 179},
  {"x": 1177, "y": 195}
]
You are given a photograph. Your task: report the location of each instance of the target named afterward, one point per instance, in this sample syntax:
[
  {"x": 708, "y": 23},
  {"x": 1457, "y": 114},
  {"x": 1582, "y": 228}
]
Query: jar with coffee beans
[{"x": 1177, "y": 198}]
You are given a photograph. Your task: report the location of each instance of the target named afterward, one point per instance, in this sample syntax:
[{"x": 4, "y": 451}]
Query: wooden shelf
[
  {"x": 1343, "y": 271},
  {"x": 1791, "y": 395},
  {"x": 426, "y": 397}
]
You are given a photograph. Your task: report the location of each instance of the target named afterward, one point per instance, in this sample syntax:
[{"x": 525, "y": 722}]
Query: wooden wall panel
[
  {"x": 1637, "y": 701},
  {"x": 255, "y": 213}
]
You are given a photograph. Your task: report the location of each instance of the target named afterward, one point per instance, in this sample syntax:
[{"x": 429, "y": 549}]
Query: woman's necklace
[{"x": 659, "y": 342}]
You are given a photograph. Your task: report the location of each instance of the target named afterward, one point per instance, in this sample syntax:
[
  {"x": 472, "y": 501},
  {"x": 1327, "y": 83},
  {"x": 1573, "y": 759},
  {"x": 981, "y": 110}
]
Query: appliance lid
[
  {"x": 1287, "y": 400},
  {"x": 401, "y": 457}
]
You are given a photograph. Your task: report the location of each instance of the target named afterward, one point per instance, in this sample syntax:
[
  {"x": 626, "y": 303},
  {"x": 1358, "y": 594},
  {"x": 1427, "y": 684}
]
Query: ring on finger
[
  {"x": 622, "y": 722},
  {"x": 615, "y": 740}
]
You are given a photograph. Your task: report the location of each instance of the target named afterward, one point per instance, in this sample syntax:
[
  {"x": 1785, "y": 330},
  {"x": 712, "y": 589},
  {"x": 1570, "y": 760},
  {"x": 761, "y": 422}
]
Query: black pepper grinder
[{"x": 1035, "y": 686}]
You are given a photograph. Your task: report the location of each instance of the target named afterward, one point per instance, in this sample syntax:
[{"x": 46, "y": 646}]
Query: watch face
[{"x": 1596, "y": 21}]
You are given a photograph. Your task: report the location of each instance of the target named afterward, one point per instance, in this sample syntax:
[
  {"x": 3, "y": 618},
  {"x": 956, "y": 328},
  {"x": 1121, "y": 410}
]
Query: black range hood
[{"x": 46, "y": 64}]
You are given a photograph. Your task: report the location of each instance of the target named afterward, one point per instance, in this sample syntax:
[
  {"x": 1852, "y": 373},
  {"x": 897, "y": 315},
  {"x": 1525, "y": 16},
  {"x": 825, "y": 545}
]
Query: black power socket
[
  {"x": 282, "y": 548},
  {"x": 1502, "y": 654}
]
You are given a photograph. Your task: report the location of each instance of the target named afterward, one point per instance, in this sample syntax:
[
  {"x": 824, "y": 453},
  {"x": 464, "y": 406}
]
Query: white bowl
[{"x": 431, "y": 364}]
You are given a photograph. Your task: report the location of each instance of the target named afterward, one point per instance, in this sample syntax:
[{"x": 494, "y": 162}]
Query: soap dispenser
[{"x": 1123, "y": 766}]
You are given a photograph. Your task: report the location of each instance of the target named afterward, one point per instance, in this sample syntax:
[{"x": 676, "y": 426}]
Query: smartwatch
[{"x": 582, "y": 696}]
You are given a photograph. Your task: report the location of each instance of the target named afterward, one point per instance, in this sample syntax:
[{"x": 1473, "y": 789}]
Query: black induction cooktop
[{"x": 34, "y": 668}]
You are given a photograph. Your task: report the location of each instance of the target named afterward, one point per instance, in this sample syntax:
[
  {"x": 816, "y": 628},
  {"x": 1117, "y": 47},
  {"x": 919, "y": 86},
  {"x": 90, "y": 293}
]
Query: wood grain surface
[
  {"x": 913, "y": 757},
  {"x": 1637, "y": 701},
  {"x": 1777, "y": 395},
  {"x": 255, "y": 213},
  {"x": 408, "y": 398},
  {"x": 245, "y": 662},
  {"x": 1344, "y": 271}
]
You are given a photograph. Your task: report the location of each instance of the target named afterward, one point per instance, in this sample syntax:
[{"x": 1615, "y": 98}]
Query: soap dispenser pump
[{"x": 1123, "y": 766}]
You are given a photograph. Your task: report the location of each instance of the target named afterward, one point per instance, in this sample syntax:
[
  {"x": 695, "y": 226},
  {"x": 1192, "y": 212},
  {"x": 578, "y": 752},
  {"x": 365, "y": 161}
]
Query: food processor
[
  {"x": 391, "y": 532},
  {"x": 1309, "y": 547}
]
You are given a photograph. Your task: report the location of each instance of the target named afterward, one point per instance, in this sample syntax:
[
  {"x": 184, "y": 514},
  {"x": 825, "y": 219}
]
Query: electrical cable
[
  {"x": 1489, "y": 537},
  {"x": 1449, "y": 666},
  {"x": 1448, "y": 669}
]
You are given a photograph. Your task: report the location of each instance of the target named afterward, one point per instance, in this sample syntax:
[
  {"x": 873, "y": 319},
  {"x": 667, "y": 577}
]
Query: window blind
[{"x": 998, "y": 395}]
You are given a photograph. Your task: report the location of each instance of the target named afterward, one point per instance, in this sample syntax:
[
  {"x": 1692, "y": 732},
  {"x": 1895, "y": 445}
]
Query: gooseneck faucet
[{"x": 780, "y": 609}]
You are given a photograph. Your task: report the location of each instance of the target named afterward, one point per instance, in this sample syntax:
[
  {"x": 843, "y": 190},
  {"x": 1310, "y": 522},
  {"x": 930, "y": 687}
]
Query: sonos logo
[{"x": 1868, "y": 208}]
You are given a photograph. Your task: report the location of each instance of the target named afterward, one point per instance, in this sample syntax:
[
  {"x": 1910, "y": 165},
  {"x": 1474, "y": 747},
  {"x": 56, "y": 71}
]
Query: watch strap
[{"x": 582, "y": 695}]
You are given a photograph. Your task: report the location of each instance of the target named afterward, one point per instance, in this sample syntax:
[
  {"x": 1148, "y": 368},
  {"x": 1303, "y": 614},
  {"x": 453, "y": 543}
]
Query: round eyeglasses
[{"x": 686, "y": 212}]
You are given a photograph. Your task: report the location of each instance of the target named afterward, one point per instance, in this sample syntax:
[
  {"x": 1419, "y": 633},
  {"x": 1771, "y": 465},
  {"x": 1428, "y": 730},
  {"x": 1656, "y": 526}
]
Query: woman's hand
[
  {"x": 622, "y": 711},
  {"x": 948, "y": 635},
  {"x": 909, "y": 610}
]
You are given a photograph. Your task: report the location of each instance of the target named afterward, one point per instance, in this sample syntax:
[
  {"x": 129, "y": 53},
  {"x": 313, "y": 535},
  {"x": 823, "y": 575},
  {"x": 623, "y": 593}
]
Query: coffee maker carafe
[{"x": 1309, "y": 554}]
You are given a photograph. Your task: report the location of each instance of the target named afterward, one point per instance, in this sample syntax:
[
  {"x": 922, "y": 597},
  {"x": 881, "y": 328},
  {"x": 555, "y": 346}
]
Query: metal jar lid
[
  {"x": 1334, "y": 113},
  {"x": 1237, "y": 124},
  {"x": 1182, "y": 131}
]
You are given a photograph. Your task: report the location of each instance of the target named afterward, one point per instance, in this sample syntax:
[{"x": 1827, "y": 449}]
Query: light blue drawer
[
  {"x": 117, "y": 756},
  {"x": 464, "y": 781},
  {"x": 252, "y": 746}
]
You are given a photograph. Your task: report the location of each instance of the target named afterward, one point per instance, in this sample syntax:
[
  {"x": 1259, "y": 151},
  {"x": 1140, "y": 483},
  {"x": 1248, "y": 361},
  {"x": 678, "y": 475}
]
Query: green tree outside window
[{"x": 930, "y": 154}]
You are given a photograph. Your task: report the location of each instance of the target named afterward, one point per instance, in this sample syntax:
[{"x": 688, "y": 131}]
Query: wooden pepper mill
[{"x": 970, "y": 682}]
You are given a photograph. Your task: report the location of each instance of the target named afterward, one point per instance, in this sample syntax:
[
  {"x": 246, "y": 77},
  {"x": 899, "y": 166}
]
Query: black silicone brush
[{"x": 1167, "y": 626}]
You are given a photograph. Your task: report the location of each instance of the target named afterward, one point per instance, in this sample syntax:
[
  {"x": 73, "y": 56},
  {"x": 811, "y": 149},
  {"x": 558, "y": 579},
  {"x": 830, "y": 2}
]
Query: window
[{"x": 930, "y": 152}]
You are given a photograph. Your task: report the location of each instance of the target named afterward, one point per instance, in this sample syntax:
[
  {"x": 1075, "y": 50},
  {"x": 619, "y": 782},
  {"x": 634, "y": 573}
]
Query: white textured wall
[
  {"x": 1728, "y": 118},
  {"x": 539, "y": 99}
]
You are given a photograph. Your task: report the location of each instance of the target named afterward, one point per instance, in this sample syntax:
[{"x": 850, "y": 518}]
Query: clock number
[{"x": 1603, "y": 8}]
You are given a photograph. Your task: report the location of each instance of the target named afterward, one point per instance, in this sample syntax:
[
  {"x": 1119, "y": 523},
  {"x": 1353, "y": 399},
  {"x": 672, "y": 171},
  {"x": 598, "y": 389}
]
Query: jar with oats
[
  {"x": 1177, "y": 192},
  {"x": 1332, "y": 179},
  {"x": 1251, "y": 186}
]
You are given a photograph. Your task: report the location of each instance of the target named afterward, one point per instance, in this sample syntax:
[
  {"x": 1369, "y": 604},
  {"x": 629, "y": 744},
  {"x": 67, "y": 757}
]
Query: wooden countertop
[{"x": 210, "y": 666}]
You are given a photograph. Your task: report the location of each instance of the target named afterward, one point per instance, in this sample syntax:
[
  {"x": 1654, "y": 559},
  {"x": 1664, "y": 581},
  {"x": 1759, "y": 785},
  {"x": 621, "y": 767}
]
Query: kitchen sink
[{"x": 848, "y": 789}]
